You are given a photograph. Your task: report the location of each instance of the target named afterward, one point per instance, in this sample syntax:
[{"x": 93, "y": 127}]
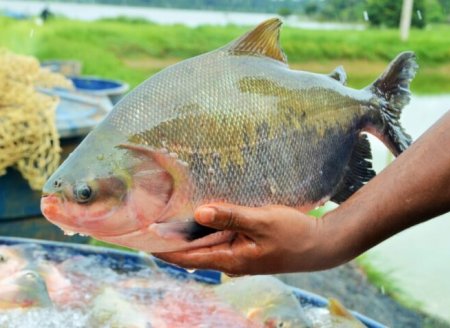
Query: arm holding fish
[{"x": 275, "y": 239}]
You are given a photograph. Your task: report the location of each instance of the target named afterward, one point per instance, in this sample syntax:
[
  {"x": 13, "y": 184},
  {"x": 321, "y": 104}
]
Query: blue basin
[
  {"x": 129, "y": 261},
  {"x": 100, "y": 87}
]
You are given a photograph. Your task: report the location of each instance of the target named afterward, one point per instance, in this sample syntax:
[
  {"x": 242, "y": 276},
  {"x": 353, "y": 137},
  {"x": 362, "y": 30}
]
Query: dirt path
[{"x": 349, "y": 284}]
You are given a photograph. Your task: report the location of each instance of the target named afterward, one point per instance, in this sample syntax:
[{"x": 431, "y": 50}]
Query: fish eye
[
  {"x": 83, "y": 193},
  {"x": 2, "y": 258}
]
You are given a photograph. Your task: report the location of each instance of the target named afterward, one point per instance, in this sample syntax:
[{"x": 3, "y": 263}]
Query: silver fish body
[{"x": 234, "y": 125}]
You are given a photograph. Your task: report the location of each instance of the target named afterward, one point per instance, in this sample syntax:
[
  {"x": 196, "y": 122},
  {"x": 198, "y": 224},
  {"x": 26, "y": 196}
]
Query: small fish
[
  {"x": 24, "y": 289},
  {"x": 264, "y": 299},
  {"x": 23, "y": 257},
  {"x": 341, "y": 317},
  {"x": 12, "y": 260},
  {"x": 111, "y": 309},
  {"x": 233, "y": 125},
  {"x": 163, "y": 309}
]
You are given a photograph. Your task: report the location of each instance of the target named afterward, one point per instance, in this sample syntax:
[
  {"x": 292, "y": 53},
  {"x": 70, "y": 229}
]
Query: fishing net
[{"x": 28, "y": 136}]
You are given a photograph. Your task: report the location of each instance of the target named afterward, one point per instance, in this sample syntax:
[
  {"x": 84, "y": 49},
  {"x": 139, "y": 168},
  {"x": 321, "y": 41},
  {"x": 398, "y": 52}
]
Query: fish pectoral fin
[
  {"x": 168, "y": 162},
  {"x": 187, "y": 230},
  {"x": 263, "y": 40},
  {"x": 358, "y": 171},
  {"x": 339, "y": 75},
  {"x": 175, "y": 171}
]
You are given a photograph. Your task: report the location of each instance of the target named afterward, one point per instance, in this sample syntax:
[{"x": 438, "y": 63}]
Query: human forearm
[{"x": 413, "y": 189}]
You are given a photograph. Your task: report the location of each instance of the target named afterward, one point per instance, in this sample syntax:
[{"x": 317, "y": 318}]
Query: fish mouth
[{"x": 50, "y": 208}]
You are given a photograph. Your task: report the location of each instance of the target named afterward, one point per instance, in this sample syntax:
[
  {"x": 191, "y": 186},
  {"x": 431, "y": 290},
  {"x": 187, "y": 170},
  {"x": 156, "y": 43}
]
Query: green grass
[
  {"x": 96, "y": 242},
  {"x": 385, "y": 283},
  {"x": 122, "y": 48}
]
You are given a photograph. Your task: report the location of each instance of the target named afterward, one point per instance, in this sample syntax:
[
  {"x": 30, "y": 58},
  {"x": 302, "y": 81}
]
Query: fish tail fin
[{"x": 392, "y": 94}]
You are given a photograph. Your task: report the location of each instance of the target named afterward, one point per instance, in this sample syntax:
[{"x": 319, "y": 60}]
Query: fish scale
[{"x": 247, "y": 122}]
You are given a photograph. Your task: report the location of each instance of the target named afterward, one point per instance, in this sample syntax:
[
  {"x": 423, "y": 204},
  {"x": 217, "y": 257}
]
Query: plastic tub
[
  {"x": 65, "y": 67},
  {"x": 102, "y": 87},
  {"x": 134, "y": 261}
]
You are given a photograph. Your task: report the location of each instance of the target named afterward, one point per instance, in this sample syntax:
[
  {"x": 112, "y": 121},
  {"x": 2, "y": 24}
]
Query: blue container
[
  {"x": 129, "y": 261},
  {"x": 65, "y": 67},
  {"x": 18, "y": 200},
  {"x": 100, "y": 87}
]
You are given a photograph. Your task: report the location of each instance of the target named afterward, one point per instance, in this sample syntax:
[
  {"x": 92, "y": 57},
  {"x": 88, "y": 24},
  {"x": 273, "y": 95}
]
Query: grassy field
[{"x": 132, "y": 50}]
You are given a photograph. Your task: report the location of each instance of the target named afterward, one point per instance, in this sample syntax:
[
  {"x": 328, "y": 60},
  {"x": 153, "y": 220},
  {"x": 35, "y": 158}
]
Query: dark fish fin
[
  {"x": 263, "y": 40},
  {"x": 392, "y": 88},
  {"x": 339, "y": 75},
  {"x": 196, "y": 231},
  {"x": 358, "y": 171}
]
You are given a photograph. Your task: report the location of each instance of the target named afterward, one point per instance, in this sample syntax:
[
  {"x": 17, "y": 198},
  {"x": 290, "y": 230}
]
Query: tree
[
  {"x": 435, "y": 11},
  {"x": 387, "y": 13},
  {"x": 284, "y": 12}
]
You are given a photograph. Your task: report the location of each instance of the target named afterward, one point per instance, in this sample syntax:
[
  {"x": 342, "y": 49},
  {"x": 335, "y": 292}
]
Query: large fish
[{"x": 234, "y": 125}]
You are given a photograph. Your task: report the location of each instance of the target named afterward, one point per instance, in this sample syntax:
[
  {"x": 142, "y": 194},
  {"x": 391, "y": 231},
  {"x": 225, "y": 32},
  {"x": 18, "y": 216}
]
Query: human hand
[{"x": 270, "y": 239}]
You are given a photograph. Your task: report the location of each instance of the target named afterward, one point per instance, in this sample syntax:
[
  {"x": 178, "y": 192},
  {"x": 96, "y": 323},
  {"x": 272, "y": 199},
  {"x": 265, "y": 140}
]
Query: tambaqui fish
[
  {"x": 234, "y": 125},
  {"x": 24, "y": 289}
]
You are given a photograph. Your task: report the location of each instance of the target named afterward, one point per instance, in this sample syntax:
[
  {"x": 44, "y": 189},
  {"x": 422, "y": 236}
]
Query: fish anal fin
[
  {"x": 339, "y": 75},
  {"x": 358, "y": 171},
  {"x": 263, "y": 40}
]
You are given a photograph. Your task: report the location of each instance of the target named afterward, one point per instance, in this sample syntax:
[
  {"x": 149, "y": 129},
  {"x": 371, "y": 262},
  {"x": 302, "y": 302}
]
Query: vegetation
[
  {"x": 335, "y": 10},
  {"x": 385, "y": 283},
  {"x": 387, "y": 13},
  {"x": 380, "y": 12},
  {"x": 269, "y": 6},
  {"x": 132, "y": 50}
]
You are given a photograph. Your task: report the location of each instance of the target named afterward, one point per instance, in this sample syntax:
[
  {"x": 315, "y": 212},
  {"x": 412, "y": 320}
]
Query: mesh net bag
[{"x": 28, "y": 136}]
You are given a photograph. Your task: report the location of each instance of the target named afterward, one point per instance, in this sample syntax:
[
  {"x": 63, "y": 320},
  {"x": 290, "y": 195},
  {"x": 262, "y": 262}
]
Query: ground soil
[{"x": 349, "y": 284}]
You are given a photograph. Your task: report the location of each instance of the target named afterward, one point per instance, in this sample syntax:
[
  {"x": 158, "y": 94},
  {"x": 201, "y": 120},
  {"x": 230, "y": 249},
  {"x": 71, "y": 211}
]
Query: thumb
[{"x": 228, "y": 217}]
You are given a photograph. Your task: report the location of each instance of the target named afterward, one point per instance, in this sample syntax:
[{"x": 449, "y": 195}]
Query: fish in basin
[
  {"x": 24, "y": 289},
  {"x": 234, "y": 125}
]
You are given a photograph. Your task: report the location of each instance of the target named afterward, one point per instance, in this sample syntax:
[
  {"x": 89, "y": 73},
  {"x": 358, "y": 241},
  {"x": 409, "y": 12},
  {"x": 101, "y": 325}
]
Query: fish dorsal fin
[
  {"x": 339, "y": 75},
  {"x": 263, "y": 40}
]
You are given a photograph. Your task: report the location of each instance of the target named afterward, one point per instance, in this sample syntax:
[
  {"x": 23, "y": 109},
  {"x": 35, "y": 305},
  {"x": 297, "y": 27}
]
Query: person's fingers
[
  {"x": 231, "y": 217},
  {"x": 232, "y": 258},
  {"x": 219, "y": 257}
]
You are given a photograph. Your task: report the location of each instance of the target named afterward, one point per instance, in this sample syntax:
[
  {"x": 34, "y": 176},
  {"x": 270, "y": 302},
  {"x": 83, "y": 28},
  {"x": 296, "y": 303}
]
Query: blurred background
[{"x": 84, "y": 55}]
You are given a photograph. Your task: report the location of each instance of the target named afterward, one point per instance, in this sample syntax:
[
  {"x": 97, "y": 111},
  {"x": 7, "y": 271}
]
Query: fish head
[
  {"x": 102, "y": 191},
  {"x": 85, "y": 195},
  {"x": 25, "y": 288},
  {"x": 122, "y": 193},
  {"x": 12, "y": 259}
]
